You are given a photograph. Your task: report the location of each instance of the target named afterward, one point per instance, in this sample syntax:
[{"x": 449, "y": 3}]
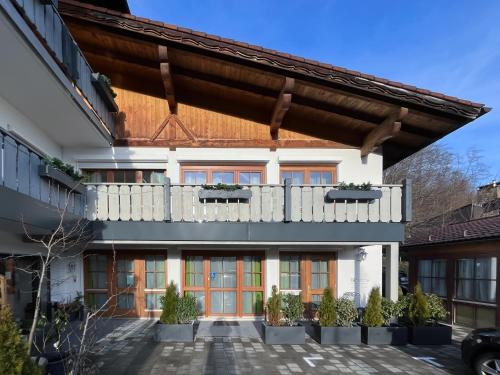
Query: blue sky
[{"x": 450, "y": 46}]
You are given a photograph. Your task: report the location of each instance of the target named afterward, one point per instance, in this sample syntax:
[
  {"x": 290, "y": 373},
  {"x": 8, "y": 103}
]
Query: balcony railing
[
  {"x": 20, "y": 171},
  {"x": 45, "y": 21},
  {"x": 268, "y": 203}
]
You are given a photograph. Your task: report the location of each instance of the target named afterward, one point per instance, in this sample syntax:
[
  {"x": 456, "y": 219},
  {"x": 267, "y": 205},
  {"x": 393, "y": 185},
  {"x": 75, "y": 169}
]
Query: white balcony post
[
  {"x": 272, "y": 270},
  {"x": 174, "y": 266},
  {"x": 392, "y": 271}
]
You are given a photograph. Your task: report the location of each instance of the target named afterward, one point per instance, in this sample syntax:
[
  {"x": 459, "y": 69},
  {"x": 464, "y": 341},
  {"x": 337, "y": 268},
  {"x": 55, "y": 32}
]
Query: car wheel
[{"x": 487, "y": 364}]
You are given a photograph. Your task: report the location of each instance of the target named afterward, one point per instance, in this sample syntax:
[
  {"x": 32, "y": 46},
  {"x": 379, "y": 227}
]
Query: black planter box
[
  {"x": 394, "y": 335},
  {"x": 104, "y": 92},
  {"x": 174, "y": 332},
  {"x": 337, "y": 335},
  {"x": 283, "y": 335},
  {"x": 353, "y": 195},
  {"x": 225, "y": 194},
  {"x": 46, "y": 171},
  {"x": 430, "y": 335}
]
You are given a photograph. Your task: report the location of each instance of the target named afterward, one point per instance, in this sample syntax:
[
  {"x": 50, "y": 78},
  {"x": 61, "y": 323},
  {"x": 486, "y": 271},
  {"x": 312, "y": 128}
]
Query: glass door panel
[
  {"x": 125, "y": 285},
  {"x": 223, "y": 285}
]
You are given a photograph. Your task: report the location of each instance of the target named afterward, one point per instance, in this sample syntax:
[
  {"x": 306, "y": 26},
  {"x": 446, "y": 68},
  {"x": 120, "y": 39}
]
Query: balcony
[
  {"x": 28, "y": 195},
  {"x": 266, "y": 204},
  {"x": 49, "y": 44}
]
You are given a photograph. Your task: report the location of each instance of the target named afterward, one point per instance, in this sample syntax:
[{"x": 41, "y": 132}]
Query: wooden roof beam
[
  {"x": 166, "y": 76},
  {"x": 282, "y": 105},
  {"x": 386, "y": 130}
]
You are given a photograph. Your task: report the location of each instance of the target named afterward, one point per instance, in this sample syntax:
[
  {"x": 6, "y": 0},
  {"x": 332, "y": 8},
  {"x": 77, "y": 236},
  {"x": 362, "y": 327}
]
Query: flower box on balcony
[
  {"x": 104, "y": 90},
  {"x": 225, "y": 194},
  {"x": 354, "y": 195},
  {"x": 47, "y": 171}
]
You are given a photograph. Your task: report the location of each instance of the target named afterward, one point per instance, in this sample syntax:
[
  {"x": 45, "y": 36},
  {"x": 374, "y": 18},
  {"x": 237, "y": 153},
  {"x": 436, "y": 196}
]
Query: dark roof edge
[{"x": 438, "y": 243}]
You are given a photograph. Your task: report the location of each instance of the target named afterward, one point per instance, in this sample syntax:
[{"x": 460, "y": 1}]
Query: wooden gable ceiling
[{"x": 280, "y": 98}]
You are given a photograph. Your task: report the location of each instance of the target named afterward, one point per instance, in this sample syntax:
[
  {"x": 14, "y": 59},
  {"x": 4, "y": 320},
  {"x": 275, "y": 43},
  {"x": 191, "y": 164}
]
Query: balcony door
[
  {"x": 308, "y": 274},
  {"x": 225, "y": 284}
]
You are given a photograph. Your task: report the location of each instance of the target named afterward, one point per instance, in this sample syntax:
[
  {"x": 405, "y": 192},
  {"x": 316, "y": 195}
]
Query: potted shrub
[
  {"x": 177, "y": 318},
  {"x": 424, "y": 311},
  {"x": 378, "y": 328},
  {"x": 223, "y": 191},
  {"x": 283, "y": 315},
  {"x": 352, "y": 192},
  {"x": 336, "y": 319},
  {"x": 55, "y": 169},
  {"x": 73, "y": 309},
  {"x": 102, "y": 85}
]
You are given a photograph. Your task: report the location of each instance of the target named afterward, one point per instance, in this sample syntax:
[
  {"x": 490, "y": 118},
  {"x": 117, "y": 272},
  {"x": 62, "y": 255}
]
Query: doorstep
[{"x": 228, "y": 328}]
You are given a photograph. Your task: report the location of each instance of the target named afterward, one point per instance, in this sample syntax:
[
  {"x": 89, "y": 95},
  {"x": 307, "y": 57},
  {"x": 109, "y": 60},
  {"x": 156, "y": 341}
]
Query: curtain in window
[
  {"x": 465, "y": 276},
  {"x": 486, "y": 271}
]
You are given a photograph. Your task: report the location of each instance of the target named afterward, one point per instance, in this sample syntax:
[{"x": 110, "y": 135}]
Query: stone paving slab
[{"x": 138, "y": 354}]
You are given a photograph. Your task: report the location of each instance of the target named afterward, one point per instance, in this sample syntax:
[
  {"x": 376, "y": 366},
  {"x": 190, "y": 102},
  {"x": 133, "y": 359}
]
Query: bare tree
[
  {"x": 442, "y": 181},
  {"x": 68, "y": 235}
]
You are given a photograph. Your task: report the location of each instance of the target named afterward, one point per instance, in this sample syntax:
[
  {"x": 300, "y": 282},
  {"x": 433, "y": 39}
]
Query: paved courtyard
[{"x": 128, "y": 348}]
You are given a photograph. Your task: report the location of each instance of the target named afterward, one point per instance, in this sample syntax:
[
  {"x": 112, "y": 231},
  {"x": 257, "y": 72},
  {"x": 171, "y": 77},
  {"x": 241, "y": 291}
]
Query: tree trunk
[{"x": 36, "y": 313}]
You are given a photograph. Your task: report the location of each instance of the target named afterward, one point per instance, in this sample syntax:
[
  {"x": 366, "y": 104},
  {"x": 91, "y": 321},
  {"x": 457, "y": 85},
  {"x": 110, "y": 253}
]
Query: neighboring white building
[{"x": 194, "y": 110}]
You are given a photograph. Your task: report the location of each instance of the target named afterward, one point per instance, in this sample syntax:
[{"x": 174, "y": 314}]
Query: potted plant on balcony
[
  {"x": 177, "y": 318},
  {"x": 102, "y": 84},
  {"x": 424, "y": 312},
  {"x": 283, "y": 315},
  {"x": 65, "y": 174},
  {"x": 224, "y": 191},
  {"x": 336, "y": 318},
  {"x": 353, "y": 192},
  {"x": 378, "y": 328}
]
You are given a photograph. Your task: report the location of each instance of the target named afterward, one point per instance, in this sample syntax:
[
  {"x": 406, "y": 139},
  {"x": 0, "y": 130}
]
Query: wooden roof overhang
[{"x": 266, "y": 86}]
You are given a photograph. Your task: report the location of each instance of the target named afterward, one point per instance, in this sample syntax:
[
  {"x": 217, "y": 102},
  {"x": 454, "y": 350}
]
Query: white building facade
[{"x": 280, "y": 133}]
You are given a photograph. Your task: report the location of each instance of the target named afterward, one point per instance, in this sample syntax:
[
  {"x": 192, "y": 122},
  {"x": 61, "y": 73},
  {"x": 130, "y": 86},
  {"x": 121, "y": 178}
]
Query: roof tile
[{"x": 471, "y": 230}]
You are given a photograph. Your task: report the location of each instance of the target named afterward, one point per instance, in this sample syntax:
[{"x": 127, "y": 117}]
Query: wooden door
[{"x": 225, "y": 284}]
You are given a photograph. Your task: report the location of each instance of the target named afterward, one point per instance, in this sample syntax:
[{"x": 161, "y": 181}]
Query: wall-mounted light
[
  {"x": 71, "y": 267},
  {"x": 361, "y": 254},
  {"x": 71, "y": 270}
]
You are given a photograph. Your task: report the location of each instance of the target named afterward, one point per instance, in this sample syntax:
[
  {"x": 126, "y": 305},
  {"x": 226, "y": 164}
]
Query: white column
[
  {"x": 368, "y": 271},
  {"x": 174, "y": 266},
  {"x": 392, "y": 271},
  {"x": 66, "y": 278},
  {"x": 346, "y": 276},
  {"x": 272, "y": 270},
  {"x": 173, "y": 167},
  {"x": 273, "y": 169}
]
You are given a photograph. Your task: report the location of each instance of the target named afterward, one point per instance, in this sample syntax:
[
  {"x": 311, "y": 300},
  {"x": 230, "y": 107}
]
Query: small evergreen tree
[
  {"x": 169, "y": 305},
  {"x": 418, "y": 311},
  {"x": 327, "y": 310},
  {"x": 373, "y": 311},
  {"x": 13, "y": 357},
  {"x": 273, "y": 307}
]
